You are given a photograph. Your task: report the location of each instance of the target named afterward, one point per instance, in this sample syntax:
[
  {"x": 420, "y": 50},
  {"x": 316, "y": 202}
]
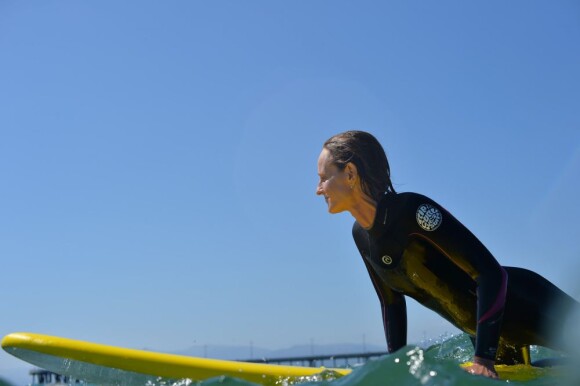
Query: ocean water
[{"x": 435, "y": 365}]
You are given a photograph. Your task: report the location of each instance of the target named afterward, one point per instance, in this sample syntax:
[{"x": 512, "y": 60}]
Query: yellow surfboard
[{"x": 99, "y": 363}]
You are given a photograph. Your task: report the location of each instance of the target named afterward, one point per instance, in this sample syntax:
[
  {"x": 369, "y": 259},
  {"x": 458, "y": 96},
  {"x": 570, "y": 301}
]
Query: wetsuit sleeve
[
  {"x": 393, "y": 305},
  {"x": 394, "y": 312},
  {"x": 437, "y": 226}
]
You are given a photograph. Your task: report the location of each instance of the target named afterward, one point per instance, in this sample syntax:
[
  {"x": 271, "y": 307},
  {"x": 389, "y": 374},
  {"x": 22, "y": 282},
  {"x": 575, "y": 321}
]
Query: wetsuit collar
[{"x": 381, "y": 214}]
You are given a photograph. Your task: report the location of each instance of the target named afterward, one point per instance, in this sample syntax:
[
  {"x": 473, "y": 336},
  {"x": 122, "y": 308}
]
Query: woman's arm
[
  {"x": 437, "y": 226},
  {"x": 394, "y": 312},
  {"x": 393, "y": 305}
]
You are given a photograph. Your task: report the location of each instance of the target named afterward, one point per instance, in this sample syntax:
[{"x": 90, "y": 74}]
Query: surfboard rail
[{"x": 24, "y": 345}]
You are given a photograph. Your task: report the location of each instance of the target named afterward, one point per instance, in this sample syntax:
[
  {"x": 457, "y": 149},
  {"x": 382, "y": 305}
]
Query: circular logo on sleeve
[
  {"x": 388, "y": 260},
  {"x": 429, "y": 217}
]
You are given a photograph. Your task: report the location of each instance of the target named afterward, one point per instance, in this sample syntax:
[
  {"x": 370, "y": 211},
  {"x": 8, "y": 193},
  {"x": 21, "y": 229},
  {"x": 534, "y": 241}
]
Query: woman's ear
[{"x": 351, "y": 173}]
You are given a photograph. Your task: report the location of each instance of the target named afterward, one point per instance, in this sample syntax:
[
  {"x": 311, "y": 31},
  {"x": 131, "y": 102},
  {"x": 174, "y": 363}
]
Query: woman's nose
[{"x": 319, "y": 189}]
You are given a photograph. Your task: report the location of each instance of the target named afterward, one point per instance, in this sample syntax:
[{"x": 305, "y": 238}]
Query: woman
[{"x": 412, "y": 246}]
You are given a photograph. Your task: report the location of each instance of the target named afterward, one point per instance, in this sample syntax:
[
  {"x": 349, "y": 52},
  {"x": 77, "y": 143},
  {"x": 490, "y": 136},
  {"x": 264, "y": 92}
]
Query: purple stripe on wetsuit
[{"x": 499, "y": 301}]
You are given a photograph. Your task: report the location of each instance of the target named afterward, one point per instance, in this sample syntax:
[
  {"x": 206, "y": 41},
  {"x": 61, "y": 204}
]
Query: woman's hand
[{"x": 483, "y": 367}]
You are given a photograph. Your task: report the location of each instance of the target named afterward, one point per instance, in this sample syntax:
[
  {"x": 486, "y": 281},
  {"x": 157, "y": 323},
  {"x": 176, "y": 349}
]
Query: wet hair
[{"x": 367, "y": 154}]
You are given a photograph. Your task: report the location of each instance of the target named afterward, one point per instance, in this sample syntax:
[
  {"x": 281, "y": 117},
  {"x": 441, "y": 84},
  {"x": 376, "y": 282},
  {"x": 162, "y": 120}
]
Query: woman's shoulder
[
  {"x": 410, "y": 199},
  {"x": 411, "y": 205}
]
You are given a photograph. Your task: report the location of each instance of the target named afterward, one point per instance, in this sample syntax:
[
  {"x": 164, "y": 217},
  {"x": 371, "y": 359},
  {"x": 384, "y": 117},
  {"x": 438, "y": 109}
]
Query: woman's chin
[{"x": 334, "y": 209}]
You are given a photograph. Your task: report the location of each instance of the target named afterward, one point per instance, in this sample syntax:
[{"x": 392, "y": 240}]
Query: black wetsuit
[{"x": 418, "y": 249}]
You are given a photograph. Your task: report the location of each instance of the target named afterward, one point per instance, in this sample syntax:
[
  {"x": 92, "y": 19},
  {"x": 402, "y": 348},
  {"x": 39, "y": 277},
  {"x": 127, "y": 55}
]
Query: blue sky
[{"x": 158, "y": 159}]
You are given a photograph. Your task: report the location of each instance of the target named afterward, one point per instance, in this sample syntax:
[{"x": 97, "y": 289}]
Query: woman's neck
[{"x": 364, "y": 211}]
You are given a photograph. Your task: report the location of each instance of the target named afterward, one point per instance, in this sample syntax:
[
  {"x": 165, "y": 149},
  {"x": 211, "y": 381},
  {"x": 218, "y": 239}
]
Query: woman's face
[{"x": 334, "y": 184}]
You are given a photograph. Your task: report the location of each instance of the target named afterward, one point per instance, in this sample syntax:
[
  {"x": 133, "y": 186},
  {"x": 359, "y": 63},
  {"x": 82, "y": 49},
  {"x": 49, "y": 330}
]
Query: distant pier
[
  {"x": 41, "y": 377},
  {"x": 337, "y": 360}
]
